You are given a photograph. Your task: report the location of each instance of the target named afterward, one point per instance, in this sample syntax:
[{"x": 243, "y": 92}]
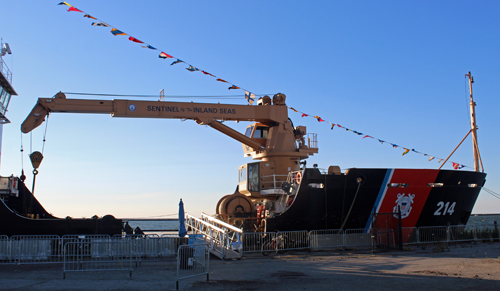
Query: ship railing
[
  {"x": 5, "y": 71},
  {"x": 272, "y": 184},
  {"x": 312, "y": 140}
]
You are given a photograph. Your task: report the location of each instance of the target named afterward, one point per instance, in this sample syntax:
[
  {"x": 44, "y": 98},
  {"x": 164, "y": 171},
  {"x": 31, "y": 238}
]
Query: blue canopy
[{"x": 182, "y": 226}]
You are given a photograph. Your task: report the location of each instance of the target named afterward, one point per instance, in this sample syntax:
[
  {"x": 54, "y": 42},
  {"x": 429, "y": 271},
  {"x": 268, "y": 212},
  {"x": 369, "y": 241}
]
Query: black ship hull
[
  {"x": 348, "y": 201},
  {"x": 22, "y": 214}
]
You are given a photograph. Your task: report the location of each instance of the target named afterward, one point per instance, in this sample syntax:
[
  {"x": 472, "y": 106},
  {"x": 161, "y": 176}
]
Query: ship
[
  {"x": 20, "y": 211},
  {"x": 278, "y": 192}
]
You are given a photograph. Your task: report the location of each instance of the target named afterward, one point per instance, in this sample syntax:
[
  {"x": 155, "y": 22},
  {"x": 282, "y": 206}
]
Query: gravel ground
[{"x": 459, "y": 267}]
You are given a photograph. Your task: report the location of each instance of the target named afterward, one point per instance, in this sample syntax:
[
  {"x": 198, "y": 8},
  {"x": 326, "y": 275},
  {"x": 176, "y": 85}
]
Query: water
[{"x": 483, "y": 219}]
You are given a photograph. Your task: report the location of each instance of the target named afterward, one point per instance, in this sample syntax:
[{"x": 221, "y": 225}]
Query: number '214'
[{"x": 448, "y": 209}]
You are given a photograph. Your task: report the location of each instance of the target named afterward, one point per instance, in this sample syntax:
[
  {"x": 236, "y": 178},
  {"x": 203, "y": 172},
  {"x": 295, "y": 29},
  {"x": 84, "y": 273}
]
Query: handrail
[{"x": 225, "y": 224}]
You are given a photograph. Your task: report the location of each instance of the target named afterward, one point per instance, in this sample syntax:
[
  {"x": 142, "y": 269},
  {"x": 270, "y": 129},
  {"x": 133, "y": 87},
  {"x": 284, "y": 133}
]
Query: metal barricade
[
  {"x": 409, "y": 235},
  {"x": 326, "y": 239},
  {"x": 269, "y": 243},
  {"x": 487, "y": 232},
  {"x": 4, "y": 249},
  {"x": 360, "y": 237},
  {"x": 32, "y": 249},
  {"x": 432, "y": 234},
  {"x": 192, "y": 260},
  {"x": 253, "y": 241},
  {"x": 461, "y": 233},
  {"x": 113, "y": 255},
  {"x": 293, "y": 240}
]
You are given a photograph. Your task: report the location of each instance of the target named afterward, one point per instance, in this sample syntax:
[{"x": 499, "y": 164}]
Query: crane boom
[{"x": 202, "y": 113}]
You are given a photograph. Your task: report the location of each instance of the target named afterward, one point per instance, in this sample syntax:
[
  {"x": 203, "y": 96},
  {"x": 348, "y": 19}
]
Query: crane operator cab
[{"x": 258, "y": 132}]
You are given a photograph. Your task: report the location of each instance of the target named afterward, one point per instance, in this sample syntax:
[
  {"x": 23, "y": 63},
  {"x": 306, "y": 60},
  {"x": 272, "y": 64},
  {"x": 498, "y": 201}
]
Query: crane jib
[{"x": 194, "y": 109}]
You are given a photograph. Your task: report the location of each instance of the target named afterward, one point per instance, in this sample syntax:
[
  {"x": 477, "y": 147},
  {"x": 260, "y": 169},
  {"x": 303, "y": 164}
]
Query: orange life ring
[{"x": 298, "y": 177}]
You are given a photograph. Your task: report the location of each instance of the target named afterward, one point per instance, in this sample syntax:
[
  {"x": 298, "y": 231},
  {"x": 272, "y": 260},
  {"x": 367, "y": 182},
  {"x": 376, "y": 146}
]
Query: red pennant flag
[
  {"x": 220, "y": 80},
  {"x": 164, "y": 56},
  {"x": 303, "y": 114},
  {"x": 455, "y": 165},
  {"x": 135, "y": 39},
  {"x": 207, "y": 73},
  {"x": 74, "y": 9},
  {"x": 367, "y": 136},
  {"x": 319, "y": 119}
]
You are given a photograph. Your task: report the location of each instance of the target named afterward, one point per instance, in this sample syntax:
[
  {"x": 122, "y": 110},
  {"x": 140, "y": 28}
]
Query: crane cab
[{"x": 258, "y": 132}]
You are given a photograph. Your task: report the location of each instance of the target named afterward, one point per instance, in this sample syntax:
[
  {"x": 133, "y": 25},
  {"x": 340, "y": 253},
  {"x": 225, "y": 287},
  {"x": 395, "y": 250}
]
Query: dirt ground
[{"x": 457, "y": 267}]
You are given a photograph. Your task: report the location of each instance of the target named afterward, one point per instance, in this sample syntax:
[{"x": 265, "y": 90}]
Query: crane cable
[{"x": 496, "y": 195}]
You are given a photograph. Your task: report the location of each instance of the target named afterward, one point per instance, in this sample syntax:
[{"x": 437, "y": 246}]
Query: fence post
[
  {"x": 418, "y": 235},
  {"x": 400, "y": 230}
]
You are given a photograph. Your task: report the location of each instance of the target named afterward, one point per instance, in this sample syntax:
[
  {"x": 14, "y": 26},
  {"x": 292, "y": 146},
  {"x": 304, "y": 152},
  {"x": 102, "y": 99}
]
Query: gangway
[{"x": 223, "y": 239}]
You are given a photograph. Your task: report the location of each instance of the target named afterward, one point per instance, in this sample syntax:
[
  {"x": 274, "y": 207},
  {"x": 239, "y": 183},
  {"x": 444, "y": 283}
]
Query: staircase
[{"x": 223, "y": 239}]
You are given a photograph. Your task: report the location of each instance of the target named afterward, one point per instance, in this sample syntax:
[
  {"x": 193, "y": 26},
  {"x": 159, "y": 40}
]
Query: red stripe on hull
[{"x": 411, "y": 199}]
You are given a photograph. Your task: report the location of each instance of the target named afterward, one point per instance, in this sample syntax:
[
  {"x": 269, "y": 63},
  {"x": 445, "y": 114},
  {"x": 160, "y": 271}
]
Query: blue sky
[{"x": 390, "y": 69}]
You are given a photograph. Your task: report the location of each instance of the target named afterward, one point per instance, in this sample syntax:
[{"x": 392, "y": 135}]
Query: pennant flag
[
  {"x": 339, "y": 125},
  {"x": 367, "y": 136},
  {"x": 234, "y": 87},
  {"x": 207, "y": 73},
  {"x": 73, "y": 9},
  {"x": 88, "y": 16},
  {"x": 406, "y": 151},
  {"x": 303, "y": 115},
  {"x": 440, "y": 160},
  {"x": 394, "y": 145},
  {"x": 192, "y": 69},
  {"x": 164, "y": 56},
  {"x": 134, "y": 39},
  {"x": 461, "y": 166},
  {"x": 431, "y": 158},
  {"x": 100, "y": 24},
  {"x": 318, "y": 118},
  {"x": 455, "y": 165},
  {"x": 291, "y": 108},
  {"x": 333, "y": 125},
  {"x": 220, "y": 80},
  {"x": 116, "y": 32},
  {"x": 381, "y": 141},
  {"x": 148, "y": 46},
  {"x": 176, "y": 62},
  {"x": 64, "y": 3},
  {"x": 358, "y": 133},
  {"x": 250, "y": 97}
]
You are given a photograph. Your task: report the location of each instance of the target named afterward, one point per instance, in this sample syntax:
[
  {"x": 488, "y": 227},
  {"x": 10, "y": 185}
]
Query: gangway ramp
[{"x": 223, "y": 239}]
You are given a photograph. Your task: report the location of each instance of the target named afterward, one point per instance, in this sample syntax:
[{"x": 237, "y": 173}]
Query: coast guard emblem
[{"x": 404, "y": 203}]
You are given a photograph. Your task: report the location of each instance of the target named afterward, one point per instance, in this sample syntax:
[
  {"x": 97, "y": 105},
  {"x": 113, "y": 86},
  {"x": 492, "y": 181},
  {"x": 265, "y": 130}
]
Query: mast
[{"x": 473, "y": 125}]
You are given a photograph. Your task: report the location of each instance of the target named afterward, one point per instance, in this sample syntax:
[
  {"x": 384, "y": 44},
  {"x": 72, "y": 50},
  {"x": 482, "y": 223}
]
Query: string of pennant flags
[
  {"x": 250, "y": 97},
  {"x": 365, "y": 136},
  {"x": 162, "y": 55}
]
